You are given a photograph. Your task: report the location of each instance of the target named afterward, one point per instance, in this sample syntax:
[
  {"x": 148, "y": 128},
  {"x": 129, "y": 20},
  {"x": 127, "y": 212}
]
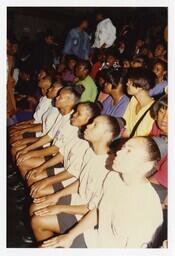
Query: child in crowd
[
  {"x": 98, "y": 63},
  {"x": 71, "y": 155},
  {"x": 160, "y": 70},
  {"x": 82, "y": 71},
  {"x": 100, "y": 82},
  {"x": 160, "y": 51},
  {"x": 114, "y": 221},
  {"x": 17, "y": 131},
  {"x": 69, "y": 72},
  {"x": 116, "y": 103},
  {"x": 84, "y": 194},
  {"x": 137, "y": 114},
  {"x": 60, "y": 133},
  {"x": 48, "y": 120},
  {"x": 159, "y": 179}
]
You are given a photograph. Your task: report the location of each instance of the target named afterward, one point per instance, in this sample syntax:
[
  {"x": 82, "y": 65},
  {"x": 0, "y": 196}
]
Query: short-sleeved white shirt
[
  {"x": 93, "y": 173},
  {"x": 48, "y": 120},
  {"x": 128, "y": 215},
  {"x": 64, "y": 134},
  {"x": 43, "y": 105},
  {"x": 59, "y": 123},
  {"x": 73, "y": 153}
]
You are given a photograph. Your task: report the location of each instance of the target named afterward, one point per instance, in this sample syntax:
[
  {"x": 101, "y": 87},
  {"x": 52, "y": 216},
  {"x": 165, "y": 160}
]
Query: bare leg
[
  {"x": 14, "y": 150},
  {"x": 41, "y": 176},
  {"x": 44, "y": 227},
  {"x": 48, "y": 190},
  {"x": 29, "y": 164}
]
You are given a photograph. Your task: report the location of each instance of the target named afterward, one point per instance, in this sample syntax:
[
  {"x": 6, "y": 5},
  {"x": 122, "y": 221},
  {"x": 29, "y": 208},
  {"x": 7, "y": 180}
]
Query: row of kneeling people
[{"x": 84, "y": 190}]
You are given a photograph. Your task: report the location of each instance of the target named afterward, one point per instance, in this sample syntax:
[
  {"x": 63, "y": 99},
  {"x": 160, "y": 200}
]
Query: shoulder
[{"x": 112, "y": 181}]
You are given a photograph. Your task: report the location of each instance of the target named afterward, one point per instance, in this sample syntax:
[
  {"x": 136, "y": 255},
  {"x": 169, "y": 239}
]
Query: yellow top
[{"x": 132, "y": 117}]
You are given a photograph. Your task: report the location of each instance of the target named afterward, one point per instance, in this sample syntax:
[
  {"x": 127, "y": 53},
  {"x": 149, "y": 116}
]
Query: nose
[{"x": 165, "y": 116}]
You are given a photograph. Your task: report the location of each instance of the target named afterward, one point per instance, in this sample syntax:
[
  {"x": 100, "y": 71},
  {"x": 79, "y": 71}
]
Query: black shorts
[{"x": 66, "y": 221}]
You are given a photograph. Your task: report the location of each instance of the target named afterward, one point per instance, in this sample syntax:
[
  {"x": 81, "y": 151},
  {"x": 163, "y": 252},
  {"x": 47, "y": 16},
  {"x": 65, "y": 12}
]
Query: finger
[
  {"x": 50, "y": 243},
  {"x": 41, "y": 212},
  {"x": 39, "y": 200}
]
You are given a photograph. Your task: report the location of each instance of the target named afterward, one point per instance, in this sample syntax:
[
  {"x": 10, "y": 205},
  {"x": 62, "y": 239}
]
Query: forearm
[
  {"x": 58, "y": 158},
  {"x": 27, "y": 140},
  {"x": 72, "y": 188},
  {"x": 65, "y": 175},
  {"x": 74, "y": 209},
  {"x": 88, "y": 221},
  {"x": 44, "y": 152},
  {"x": 39, "y": 143},
  {"x": 33, "y": 128},
  {"x": 25, "y": 122}
]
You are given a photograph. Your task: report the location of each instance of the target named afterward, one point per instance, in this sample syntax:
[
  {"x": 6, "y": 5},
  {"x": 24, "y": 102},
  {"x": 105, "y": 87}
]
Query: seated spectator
[
  {"x": 160, "y": 128},
  {"x": 47, "y": 121},
  {"x": 160, "y": 70},
  {"x": 111, "y": 61},
  {"x": 124, "y": 189},
  {"x": 69, "y": 72},
  {"x": 82, "y": 71},
  {"x": 126, "y": 63},
  {"x": 76, "y": 198},
  {"x": 98, "y": 63},
  {"x": 100, "y": 82},
  {"x": 18, "y": 130},
  {"x": 139, "y": 61},
  {"x": 61, "y": 133},
  {"x": 116, "y": 103},
  {"x": 71, "y": 155},
  {"x": 137, "y": 115},
  {"x": 160, "y": 51}
]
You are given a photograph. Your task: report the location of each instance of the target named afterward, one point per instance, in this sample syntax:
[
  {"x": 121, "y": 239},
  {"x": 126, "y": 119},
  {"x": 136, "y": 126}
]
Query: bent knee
[{"x": 37, "y": 222}]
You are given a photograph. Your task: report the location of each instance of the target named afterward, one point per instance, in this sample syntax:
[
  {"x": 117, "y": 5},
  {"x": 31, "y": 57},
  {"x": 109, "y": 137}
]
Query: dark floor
[{"x": 17, "y": 215}]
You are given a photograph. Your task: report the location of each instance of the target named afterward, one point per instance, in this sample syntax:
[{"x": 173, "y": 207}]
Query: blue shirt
[
  {"x": 158, "y": 89},
  {"x": 117, "y": 110},
  {"x": 77, "y": 43}
]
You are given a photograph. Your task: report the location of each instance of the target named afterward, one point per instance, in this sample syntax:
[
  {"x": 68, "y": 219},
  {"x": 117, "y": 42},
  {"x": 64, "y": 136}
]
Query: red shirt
[
  {"x": 161, "y": 174},
  {"x": 95, "y": 69}
]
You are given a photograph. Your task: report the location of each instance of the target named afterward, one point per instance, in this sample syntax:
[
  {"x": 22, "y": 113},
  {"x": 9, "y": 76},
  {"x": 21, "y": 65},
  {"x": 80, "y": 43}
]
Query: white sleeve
[
  {"x": 106, "y": 33},
  {"x": 76, "y": 161}
]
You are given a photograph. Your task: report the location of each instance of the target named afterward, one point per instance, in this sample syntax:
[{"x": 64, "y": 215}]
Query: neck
[
  {"x": 65, "y": 111},
  {"x": 143, "y": 98},
  {"x": 116, "y": 96},
  {"x": 132, "y": 180},
  {"x": 100, "y": 148}
]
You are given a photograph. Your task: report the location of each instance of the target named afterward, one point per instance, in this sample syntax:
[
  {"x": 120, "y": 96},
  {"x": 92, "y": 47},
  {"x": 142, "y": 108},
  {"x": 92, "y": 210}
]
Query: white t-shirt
[
  {"x": 93, "y": 173},
  {"x": 64, "y": 134},
  {"x": 59, "y": 124},
  {"x": 43, "y": 105},
  {"x": 48, "y": 120},
  {"x": 105, "y": 33},
  {"x": 128, "y": 215},
  {"x": 73, "y": 153}
]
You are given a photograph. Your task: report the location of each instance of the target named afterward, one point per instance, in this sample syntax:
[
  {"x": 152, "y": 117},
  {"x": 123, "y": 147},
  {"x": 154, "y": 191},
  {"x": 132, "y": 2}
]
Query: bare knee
[
  {"x": 44, "y": 192},
  {"x": 32, "y": 209},
  {"x": 37, "y": 223},
  {"x": 23, "y": 169}
]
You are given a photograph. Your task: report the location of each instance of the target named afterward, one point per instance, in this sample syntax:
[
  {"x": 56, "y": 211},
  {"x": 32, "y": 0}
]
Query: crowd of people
[{"x": 88, "y": 134}]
